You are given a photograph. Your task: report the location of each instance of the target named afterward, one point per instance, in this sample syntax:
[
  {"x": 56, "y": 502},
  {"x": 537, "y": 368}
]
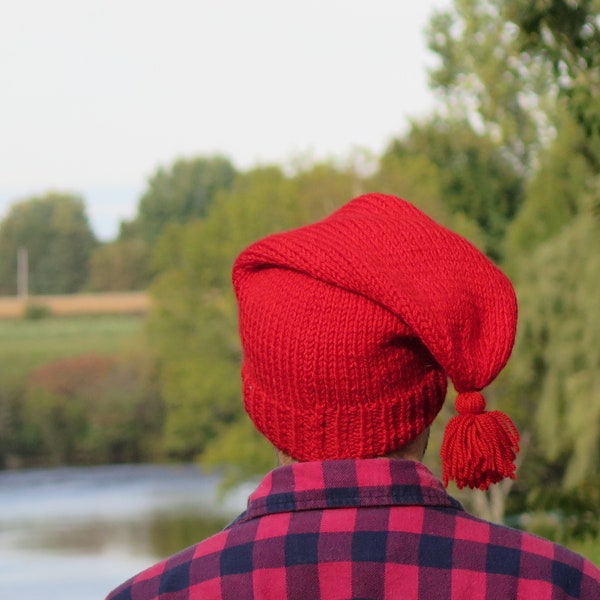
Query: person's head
[{"x": 351, "y": 326}]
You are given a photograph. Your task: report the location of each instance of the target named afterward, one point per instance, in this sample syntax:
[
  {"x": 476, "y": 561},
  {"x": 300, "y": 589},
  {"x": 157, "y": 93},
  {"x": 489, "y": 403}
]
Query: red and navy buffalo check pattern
[{"x": 364, "y": 529}]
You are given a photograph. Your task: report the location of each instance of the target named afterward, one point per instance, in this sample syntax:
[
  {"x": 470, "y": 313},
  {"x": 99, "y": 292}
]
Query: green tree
[
  {"x": 485, "y": 77},
  {"x": 551, "y": 254},
  {"x": 55, "y": 231},
  {"x": 179, "y": 194},
  {"x": 194, "y": 323},
  {"x": 567, "y": 35},
  {"x": 119, "y": 266},
  {"x": 557, "y": 359},
  {"x": 94, "y": 409},
  {"x": 557, "y": 191},
  {"x": 412, "y": 176},
  {"x": 457, "y": 176}
]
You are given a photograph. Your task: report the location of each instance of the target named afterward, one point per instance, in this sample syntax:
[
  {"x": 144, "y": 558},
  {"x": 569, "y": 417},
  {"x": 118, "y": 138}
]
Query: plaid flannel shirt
[{"x": 358, "y": 529}]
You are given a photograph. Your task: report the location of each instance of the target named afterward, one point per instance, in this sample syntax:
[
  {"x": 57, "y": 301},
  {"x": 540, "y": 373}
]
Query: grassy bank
[
  {"x": 76, "y": 390},
  {"x": 26, "y": 344}
]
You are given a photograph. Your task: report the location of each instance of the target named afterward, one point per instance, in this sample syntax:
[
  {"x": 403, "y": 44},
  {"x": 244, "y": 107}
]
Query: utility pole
[{"x": 22, "y": 273}]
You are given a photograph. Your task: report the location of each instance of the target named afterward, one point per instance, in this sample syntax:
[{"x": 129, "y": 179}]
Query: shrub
[
  {"x": 94, "y": 409},
  {"x": 35, "y": 310}
]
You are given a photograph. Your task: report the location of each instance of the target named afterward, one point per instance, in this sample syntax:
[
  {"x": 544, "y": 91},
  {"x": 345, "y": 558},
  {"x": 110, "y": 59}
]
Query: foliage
[
  {"x": 119, "y": 266},
  {"x": 55, "y": 231},
  {"x": 501, "y": 67},
  {"x": 36, "y": 310},
  {"x": 15, "y": 441},
  {"x": 92, "y": 409},
  {"x": 557, "y": 360},
  {"x": 179, "y": 194},
  {"x": 557, "y": 191},
  {"x": 29, "y": 345},
  {"x": 565, "y": 515},
  {"x": 415, "y": 177},
  {"x": 552, "y": 263},
  {"x": 242, "y": 449},
  {"x": 567, "y": 35},
  {"x": 471, "y": 176},
  {"x": 484, "y": 76},
  {"x": 412, "y": 175},
  {"x": 194, "y": 325}
]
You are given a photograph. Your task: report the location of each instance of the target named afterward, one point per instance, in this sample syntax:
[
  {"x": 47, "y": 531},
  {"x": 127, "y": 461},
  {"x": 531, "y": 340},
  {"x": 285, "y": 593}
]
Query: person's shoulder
[
  {"x": 173, "y": 573},
  {"x": 564, "y": 569},
  {"x": 528, "y": 556}
]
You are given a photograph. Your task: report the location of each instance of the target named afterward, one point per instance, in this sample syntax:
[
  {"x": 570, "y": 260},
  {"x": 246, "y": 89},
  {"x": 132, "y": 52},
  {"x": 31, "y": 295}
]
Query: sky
[{"x": 95, "y": 95}]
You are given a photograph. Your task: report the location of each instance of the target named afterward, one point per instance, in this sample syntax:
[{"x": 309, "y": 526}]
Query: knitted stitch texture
[{"x": 351, "y": 326}]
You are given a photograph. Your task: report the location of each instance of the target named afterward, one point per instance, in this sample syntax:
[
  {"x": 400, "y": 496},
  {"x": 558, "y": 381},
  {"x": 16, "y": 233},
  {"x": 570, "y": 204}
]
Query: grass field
[{"x": 26, "y": 344}]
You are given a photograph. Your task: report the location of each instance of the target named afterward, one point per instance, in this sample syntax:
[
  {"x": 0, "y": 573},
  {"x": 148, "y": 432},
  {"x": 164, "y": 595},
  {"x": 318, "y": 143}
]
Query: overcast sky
[{"x": 96, "y": 94}]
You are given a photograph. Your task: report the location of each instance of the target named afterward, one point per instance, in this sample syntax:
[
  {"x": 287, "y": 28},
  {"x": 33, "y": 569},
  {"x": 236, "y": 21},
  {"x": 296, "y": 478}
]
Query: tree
[
  {"x": 550, "y": 247},
  {"x": 462, "y": 171},
  {"x": 194, "y": 322},
  {"x": 557, "y": 358},
  {"x": 485, "y": 77},
  {"x": 119, "y": 266},
  {"x": 567, "y": 35},
  {"x": 556, "y": 193},
  {"x": 93, "y": 409},
  {"x": 55, "y": 231},
  {"x": 181, "y": 193}
]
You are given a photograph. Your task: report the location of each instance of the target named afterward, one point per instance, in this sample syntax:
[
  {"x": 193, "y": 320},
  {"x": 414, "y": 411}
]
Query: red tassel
[{"x": 479, "y": 447}]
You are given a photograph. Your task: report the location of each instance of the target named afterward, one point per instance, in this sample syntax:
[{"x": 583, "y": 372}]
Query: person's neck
[{"x": 414, "y": 450}]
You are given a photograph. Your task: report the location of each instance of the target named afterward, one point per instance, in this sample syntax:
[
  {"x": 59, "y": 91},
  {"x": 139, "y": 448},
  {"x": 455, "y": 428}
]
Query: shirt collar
[{"x": 347, "y": 483}]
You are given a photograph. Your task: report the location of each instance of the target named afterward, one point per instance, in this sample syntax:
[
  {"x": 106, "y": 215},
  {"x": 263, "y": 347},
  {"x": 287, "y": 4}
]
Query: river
[{"x": 76, "y": 533}]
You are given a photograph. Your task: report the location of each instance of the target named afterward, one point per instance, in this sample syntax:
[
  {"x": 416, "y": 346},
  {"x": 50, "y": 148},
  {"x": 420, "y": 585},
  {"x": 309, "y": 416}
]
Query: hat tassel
[{"x": 479, "y": 447}]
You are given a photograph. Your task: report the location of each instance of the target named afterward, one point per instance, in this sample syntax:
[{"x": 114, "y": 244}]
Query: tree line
[
  {"x": 63, "y": 254},
  {"x": 510, "y": 159}
]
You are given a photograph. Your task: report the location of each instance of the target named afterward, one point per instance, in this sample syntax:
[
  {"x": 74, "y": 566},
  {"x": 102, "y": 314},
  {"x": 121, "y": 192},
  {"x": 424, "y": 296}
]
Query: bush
[
  {"x": 93, "y": 409},
  {"x": 35, "y": 310}
]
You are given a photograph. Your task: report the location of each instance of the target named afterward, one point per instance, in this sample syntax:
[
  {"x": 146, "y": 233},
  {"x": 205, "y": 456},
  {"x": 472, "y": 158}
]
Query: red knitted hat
[{"x": 351, "y": 326}]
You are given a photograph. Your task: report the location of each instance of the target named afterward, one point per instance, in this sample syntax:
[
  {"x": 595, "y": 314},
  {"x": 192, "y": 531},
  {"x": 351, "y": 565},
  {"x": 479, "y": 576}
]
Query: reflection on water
[
  {"x": 78, "y": 532},
  {"x": 157, "y": 535},
  {"x": 170, "y": 533}
]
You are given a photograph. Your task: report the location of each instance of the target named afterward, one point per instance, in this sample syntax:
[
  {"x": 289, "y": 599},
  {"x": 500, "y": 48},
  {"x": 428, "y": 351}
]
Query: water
[{"x": 76, "y": 533}]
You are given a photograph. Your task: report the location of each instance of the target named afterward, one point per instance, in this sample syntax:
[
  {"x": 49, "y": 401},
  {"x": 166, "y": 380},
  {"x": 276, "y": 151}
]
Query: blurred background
[{"x": 144, "y": 144}]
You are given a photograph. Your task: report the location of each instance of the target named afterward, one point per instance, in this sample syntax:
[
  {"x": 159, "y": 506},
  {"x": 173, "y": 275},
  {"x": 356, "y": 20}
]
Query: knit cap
[{"x": 351, "y": 326}]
